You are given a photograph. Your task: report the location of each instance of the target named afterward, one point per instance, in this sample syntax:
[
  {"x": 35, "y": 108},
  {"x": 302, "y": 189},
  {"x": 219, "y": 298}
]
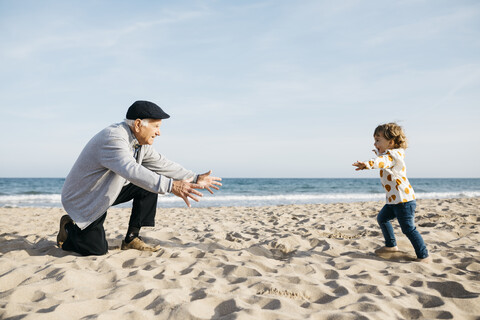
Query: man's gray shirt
[{"x": 106, "y": 164}]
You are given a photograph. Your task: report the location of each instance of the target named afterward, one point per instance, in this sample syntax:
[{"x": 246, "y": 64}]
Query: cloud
[
  {"x": 426, "y": 28},
  {"x": 301, "y": 81},
  {"x": 61, "y": 34}
]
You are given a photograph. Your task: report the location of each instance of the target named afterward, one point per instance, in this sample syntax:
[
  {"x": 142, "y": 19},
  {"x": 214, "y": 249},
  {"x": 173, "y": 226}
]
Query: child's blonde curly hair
[{"x": 392, "y": 131}]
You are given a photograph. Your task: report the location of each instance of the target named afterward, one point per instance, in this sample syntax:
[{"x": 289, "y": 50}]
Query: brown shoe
[
  {"x": 62, "y": 233},
  {"x": 138, "y": 244}
]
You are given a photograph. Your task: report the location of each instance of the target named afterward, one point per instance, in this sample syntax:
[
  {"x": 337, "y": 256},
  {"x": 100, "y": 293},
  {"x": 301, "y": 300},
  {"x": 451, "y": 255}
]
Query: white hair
[{"x": 131, "y": 123}]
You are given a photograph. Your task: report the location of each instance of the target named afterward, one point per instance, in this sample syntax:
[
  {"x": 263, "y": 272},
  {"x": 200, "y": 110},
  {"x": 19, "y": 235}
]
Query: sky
[{"x": 254, "y": 88}]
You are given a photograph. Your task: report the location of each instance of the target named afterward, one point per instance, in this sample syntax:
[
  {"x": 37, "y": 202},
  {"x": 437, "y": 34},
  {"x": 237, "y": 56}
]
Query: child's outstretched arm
[
  {"x": 360, "y": 165},
  {"x": 384, "y": 161}
]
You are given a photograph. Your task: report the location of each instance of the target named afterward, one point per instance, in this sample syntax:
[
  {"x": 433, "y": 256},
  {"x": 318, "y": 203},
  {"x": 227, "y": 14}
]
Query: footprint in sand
[{"x": 395, "y": 255}]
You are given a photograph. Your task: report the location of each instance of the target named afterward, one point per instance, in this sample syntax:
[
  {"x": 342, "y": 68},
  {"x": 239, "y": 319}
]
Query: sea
[{"x": 252, "y": 192}]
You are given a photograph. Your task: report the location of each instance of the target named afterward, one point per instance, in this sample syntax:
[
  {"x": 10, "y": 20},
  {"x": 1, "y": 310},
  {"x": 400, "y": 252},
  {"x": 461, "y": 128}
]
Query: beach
[{"x": 309, "y": 261}]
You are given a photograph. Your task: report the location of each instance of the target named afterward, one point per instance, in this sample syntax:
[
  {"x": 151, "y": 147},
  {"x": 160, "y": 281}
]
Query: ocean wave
[
  {"x": 280, "y": 197},
  {"x": 444, "y": 195},
  {"x": 33, "y": 200},
  {"x": 317, "y": 198},
  {"x": 54, "y": 200}
]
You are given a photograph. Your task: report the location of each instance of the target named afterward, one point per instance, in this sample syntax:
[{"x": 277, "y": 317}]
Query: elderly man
[{"x": 117, "y": 165}]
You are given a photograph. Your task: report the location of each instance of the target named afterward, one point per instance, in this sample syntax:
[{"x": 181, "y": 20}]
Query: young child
[{"x": 390, "y": 144}]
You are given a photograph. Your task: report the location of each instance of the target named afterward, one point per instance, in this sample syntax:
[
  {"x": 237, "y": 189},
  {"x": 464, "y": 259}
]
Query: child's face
[{"x": 382, "y": 144}]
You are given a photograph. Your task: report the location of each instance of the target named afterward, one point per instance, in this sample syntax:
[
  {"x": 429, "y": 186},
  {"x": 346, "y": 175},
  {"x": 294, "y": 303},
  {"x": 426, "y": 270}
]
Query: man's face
[{"x": 147, "y": 134}]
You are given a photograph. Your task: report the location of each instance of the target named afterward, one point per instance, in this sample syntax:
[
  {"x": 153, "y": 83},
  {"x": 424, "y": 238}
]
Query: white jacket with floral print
[{"x": 393, "y": 174}]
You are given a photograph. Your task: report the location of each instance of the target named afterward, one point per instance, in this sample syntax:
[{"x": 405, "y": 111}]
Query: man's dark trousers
[{"x": 92, "y": 240}]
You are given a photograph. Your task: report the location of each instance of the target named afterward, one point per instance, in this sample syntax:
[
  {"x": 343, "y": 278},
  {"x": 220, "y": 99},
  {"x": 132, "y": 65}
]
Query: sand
[{"x": 277, "y": 262}]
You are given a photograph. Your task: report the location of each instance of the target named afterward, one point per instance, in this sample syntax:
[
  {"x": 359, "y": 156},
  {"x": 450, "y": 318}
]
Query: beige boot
[{"x": 138, "y": 244}]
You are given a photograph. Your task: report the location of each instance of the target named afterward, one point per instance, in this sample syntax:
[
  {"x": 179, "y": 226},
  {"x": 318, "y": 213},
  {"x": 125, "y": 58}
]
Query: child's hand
[{"x": 360, "y": 165}]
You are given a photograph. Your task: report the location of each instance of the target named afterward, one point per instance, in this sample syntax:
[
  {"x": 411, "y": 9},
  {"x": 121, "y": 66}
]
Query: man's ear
[{"x": 137, "y": 124}]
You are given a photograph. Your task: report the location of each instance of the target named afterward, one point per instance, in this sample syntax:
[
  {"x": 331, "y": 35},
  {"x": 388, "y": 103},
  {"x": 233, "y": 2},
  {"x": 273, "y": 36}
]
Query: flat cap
[{"x": 145, "y": 110}]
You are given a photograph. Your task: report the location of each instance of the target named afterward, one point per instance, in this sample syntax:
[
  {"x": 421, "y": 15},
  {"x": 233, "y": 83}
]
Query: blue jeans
[{"x": 405, "y": 213}]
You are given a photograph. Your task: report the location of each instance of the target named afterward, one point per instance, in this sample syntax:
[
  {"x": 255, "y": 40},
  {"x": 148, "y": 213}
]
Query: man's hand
[
  {"x": 185, "y": 190},
  {"x": 360, "y": 165},
  {"x": 207, "y": 181}
]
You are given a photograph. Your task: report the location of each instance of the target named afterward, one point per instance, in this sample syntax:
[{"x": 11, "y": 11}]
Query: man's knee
[
  {"x": 88, "y": 242},
  {"x": 139, "y": 192},
  {"x": 148, "y": 194}
]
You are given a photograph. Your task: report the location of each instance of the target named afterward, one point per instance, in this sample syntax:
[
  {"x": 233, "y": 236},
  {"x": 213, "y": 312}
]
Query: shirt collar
[{"x": 131, "y": 137}]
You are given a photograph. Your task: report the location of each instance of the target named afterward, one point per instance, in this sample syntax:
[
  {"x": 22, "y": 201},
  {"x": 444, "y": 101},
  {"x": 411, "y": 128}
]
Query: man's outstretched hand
[
  {"x": 185, "y": 190},
  {"x": 207, "y": 181}
]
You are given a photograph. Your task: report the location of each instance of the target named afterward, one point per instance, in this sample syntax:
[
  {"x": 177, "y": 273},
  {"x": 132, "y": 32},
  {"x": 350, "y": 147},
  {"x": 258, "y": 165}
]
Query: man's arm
[
  {"x": 158, "y": 163},
  {"x": 115, "y": 155}
]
